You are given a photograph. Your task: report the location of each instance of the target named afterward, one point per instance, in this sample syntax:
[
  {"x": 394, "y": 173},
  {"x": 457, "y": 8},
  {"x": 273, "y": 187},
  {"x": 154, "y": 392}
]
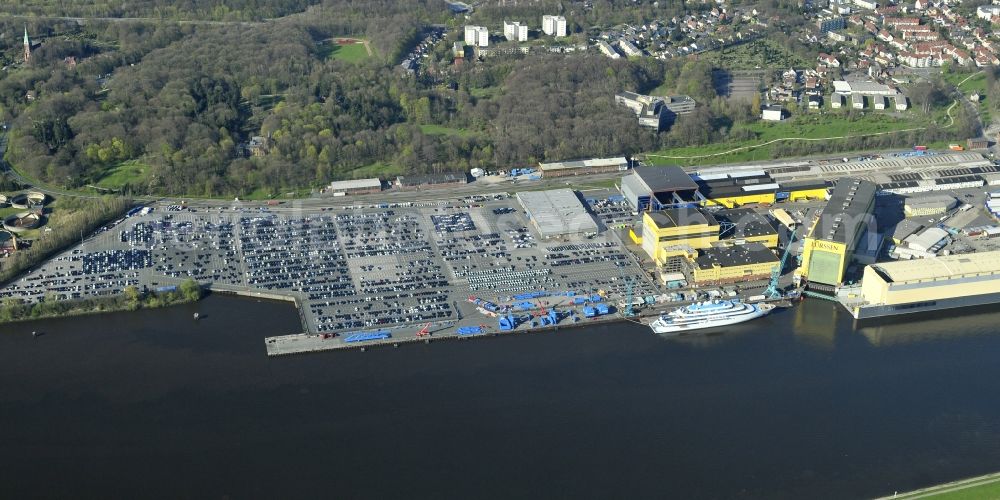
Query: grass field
[
  {"x": 128, "y": 172},
  {"x": 829, "y": 124},
  {"x": 485, "y": 92},
  {"x": 354, "y": 52},
  {"x": 442, "y": 130},
  {"x": 4, "y": 212},
  {"x": 977, "y": 83},
  {"x": 983, "y": 492},
  {"x": 978, "y": 488},
  {"x": 383, "y": 170}
]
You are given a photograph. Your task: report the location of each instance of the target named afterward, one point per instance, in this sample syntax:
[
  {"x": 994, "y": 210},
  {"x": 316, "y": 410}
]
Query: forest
[{"x": 166, "y": 107}]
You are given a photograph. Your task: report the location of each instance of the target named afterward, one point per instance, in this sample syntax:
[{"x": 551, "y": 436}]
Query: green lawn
[
  {"x": 4, "y": 212},
  {"x": 128, "y": 172},
  {"x": 485, "y": 92},
  {"x": 383, "y": 170},
  {"x": 442, "y": 130},
  {"x": 814, "y": 125},
  {"x": 984, "y": 492},
  {"x": 976, "y": 83},
  {"x": 261, "y": 194},
  {"x": 979, "y": 488},
  {"x": 354, "y": 52}
]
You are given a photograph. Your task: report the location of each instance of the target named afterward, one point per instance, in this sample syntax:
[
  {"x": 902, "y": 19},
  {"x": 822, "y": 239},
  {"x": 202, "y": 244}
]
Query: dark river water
[{"x": 796, "y": 405}]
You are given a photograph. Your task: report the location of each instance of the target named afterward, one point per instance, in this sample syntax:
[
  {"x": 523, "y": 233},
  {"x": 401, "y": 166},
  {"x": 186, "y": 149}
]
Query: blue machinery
[{"x": 772, "y": 291}]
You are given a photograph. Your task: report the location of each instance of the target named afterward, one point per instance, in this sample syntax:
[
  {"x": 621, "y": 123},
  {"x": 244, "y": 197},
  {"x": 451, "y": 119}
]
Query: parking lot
[{"x": 348, "y": 268}]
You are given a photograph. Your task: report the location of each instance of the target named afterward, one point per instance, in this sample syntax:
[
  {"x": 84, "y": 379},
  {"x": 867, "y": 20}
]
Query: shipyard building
[
  {"x": 721, "y": 246},
  {"x": 656, "y": 188},
  {"x": 831, "y": 242},
  {"x": 720, "y": 265},
  {"x": 676, "y": 232},
  {"x": 929, "y": 284},
  {"x": 742, "y": 225}
]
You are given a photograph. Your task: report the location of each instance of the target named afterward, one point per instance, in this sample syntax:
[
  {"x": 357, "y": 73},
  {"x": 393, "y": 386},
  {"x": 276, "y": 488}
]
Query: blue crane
[{"x": 772, "y": 291}]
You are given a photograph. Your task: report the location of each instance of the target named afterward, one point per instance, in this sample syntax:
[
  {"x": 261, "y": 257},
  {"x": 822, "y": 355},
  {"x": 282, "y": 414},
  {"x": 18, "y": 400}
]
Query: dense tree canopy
[{"x": 178, "y": 102}]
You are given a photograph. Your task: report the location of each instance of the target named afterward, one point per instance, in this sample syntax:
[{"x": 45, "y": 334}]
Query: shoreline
[{"x": 116, "y": 304}]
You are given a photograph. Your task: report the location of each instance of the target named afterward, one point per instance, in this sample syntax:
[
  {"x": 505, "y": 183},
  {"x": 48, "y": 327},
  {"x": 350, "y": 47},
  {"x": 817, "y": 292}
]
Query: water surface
[{"x": 795, "y": 405}]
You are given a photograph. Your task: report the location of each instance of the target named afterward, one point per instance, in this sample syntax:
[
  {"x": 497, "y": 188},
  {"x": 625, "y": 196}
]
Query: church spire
[{"x": 27, "y": 45}]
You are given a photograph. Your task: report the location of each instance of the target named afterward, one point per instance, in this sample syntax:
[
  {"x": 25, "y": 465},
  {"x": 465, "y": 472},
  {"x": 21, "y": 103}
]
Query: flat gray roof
[
  {"x": 849, "y": 206},
  {"x": 678, "y": 217},
  {"x": 666, "y": 178},
  {"x": 738, "y": 255},
  {"x": 556, "y": 212}
]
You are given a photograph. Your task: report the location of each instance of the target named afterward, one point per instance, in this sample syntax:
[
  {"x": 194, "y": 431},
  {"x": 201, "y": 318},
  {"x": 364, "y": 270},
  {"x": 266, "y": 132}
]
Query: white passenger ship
[{"x": 709, "y": 315}]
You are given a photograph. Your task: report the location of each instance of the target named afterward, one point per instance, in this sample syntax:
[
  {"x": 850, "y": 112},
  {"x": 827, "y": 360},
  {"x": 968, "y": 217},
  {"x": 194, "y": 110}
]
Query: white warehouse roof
[
  {"x": 374, "y": 183},
  {"x": 927, "y": 240},
  {"x": 556, "y": 212}
]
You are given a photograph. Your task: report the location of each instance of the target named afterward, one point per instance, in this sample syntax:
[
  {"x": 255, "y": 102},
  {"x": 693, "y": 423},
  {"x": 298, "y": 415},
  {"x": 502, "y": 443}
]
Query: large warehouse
[
  {"x": 583, "y": 167},
  {"x": 557, "y": 212},
  {"x": 656, "y": 188},
  {"x": 829, "y": 244},
  {"x": 357, "y": 186},
  {"x": 929, "y": 284},
  {"x": 736, "y": 188}
]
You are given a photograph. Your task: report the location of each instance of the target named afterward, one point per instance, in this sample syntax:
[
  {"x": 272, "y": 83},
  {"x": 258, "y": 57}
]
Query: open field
[
  {"x": 385, "y": 170},
  {"x": 969, "y": 83},
  {"x": 808, "y": 126},
  {"x": 431, "y": 129},
  {"x": 485, "y": 92},
  {"x": 977, "y": 488},
  {"x": 127, "y": 172},
  {"x": 354, "y": 52}
]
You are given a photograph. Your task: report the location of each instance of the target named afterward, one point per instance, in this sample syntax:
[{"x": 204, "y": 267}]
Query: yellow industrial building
[
  {"x": 929, "y": 284},
  {"x": 917, "y": 280},
  {"x": 805, "y": 191},
  {"x": 685, "y": 231},
  {"x": 831, "y": 241},
  {"x": 733, "y": 264},
  {"x": 677, "y": 231},
  {"x": 736, "y": 189},
  {"x": 740, "y": 198}
]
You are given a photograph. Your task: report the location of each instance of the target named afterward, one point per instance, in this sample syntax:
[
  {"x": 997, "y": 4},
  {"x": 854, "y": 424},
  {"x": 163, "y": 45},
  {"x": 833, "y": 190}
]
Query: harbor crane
[{"x": 772, "y": 291}]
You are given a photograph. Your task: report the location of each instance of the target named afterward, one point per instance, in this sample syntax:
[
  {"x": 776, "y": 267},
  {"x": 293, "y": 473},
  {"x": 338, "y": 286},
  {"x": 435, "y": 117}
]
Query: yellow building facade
[
  {"x": 823, "y": 261},
  {"x": 730, "y": 274},
  {"x": 677, "y": 232},
  {"x": 734, "y": 264},
  {"x": 938, "y": 278},
  {"x": 740, "y": 200},
  {"x": 807, "y": 194}
]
